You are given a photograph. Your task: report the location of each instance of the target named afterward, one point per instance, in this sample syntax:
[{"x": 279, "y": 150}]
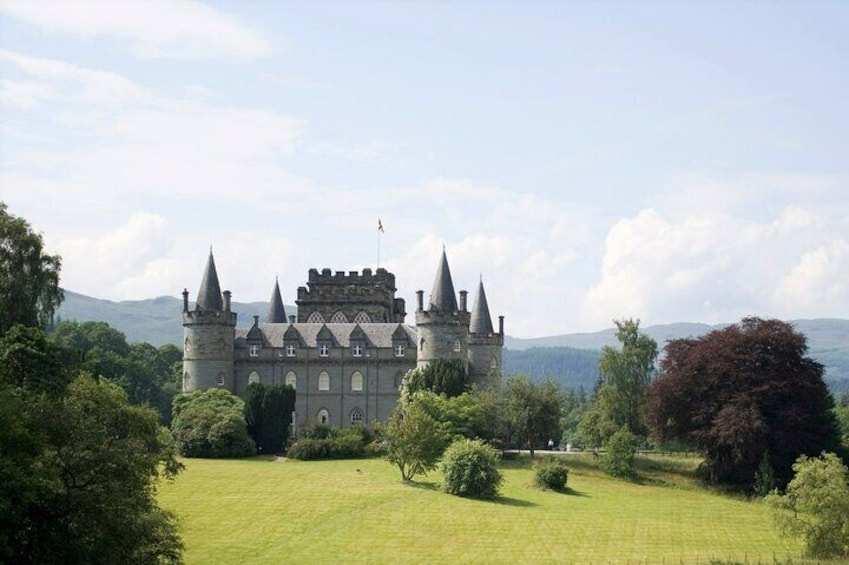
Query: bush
[
  {"x": 470, "y": 469},
  {"x": 552, "y": 473},
  {"x": 210, "y": 423},
  {"x": 618, "y": 459},
  {"x": 328, "y": 442}
]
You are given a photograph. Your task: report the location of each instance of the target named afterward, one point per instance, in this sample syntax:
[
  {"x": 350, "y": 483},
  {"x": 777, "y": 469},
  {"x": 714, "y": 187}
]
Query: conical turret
[
  {"x": 481, "y": 321},
  {"x": 209, "y": 295},
  {"x": 443, "y": 298},
  {"x": 276, "y": 310}
]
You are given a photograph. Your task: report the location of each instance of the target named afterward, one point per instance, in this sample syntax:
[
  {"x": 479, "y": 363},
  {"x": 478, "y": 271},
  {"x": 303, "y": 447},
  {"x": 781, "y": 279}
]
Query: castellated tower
[
  {"x": 208, "y": 336},
  {"x": 484, "y": 344},
  {"x": 443, "y": 329}
]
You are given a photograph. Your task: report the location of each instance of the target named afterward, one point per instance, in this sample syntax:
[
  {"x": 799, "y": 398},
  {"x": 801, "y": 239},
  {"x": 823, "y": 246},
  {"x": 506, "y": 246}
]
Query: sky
[{"x": 666, "y": 161}]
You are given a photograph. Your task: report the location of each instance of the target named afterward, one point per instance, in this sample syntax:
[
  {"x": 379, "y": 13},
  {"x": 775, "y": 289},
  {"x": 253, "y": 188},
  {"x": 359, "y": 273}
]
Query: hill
[{"x": 569, "y": 358}]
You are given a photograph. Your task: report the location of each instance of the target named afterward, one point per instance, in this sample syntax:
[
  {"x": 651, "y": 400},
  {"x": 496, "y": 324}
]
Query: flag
[{"x": 379, "y": 226}]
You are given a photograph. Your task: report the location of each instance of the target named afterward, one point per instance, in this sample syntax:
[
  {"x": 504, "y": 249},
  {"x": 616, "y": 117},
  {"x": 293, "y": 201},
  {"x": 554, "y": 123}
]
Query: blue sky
[{"x": 591, "y": 161}]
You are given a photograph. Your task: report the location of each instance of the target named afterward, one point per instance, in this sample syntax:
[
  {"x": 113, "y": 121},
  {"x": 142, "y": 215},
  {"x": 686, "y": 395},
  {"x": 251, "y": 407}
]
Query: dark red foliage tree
[{"x": 741, "y": 392}]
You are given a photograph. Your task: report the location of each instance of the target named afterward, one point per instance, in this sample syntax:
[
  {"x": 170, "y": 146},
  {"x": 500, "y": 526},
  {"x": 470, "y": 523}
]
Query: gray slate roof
[
  {"x": 276, "y": 310},
  {"x": 209, "y": 295},
  {"x": 481, "y": 321},
  {"x": 378, "y": 335},
  {"x": 443, "y": 298}
]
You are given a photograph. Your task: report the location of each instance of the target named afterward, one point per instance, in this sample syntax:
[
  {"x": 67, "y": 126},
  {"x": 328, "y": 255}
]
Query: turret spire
[
  {"x": 481, "y": 321},
  {"x": 276, "y": 310},
  {"x": 443, "y": 298},
  {"x": 209, "y": 295}
]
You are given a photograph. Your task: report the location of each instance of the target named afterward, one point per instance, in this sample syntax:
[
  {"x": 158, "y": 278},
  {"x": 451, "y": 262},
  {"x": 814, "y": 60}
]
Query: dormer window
[
  {"x": 290, "y": 351},
  {"x": 323, "y": 350},
  {"x": 399, "y": 350},
  {"x": 254, "y": 351},
  {"x": 357, "y": 350}
]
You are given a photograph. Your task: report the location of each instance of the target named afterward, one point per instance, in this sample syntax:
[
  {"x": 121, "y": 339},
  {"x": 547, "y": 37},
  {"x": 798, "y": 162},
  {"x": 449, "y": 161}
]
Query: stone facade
[{"x": 346, "y": 351}]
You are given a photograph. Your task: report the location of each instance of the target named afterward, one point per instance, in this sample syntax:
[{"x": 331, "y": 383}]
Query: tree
[
  {"x": 211, "y": 423},
  {"x": 618, "y": 457},
  {"x": 268, "y": 413},
  {"x": 441, "y": 376},
  {"x": 29, "y": 278},
  {"x": 533, "y": 410},
  {"x": 624, "y": 376},
  {"x": 413, "y": 440},
  {"x": 471, "y": 415},
  {"x": 737, "y": 393},
  {"x": 816, "y": 506}
]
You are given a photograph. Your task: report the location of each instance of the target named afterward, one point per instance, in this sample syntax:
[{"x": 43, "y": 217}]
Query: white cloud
[
  {"x": 155, "y": 29},
  {"x": 818, "y": 283}
]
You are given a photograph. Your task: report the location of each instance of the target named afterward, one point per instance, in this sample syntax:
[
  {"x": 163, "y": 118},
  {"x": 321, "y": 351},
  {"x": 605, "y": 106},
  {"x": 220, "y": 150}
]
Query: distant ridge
[{"x": 158, "y": 321}]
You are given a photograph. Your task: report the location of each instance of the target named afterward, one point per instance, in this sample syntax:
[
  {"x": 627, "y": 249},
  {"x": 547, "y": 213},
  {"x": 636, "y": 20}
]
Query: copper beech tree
[{"x": 741, "y": 395}]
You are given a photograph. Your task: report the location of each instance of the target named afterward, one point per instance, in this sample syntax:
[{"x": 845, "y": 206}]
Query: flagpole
[{"x": 379, "y": 231}]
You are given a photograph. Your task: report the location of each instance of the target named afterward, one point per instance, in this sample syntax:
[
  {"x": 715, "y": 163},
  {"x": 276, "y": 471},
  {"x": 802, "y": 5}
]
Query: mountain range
[{"x": 570, "y": 358}]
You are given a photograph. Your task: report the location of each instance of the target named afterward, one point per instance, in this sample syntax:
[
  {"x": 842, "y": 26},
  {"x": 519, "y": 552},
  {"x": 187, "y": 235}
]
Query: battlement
[
  {"x": 381, "y": 277},
  {"x": 209, "y": 317}
]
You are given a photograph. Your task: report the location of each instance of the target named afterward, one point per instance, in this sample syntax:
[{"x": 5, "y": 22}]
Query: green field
[{"x": 261, "y": 511}]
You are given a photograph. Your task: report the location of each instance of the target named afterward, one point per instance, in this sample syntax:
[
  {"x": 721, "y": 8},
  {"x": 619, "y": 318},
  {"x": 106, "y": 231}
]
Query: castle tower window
[
  {"x": 290, "y": 351},
  {"x": 315, "y": 318},
  {"x": 323, "y": 350},
  {"x": 457, "y": 346},
  {"x": 186, "y": 381},
  {"x": 399, "y": 350},
  {"x": 324, "y": 381},
  {"x": 323, "y": 416},
  {"x": 253, "y": 378},
  {"x": 357, "y": 350},
  {"x": 362, "y": 318},
  {"x": 221, "y": 378},
  {"x": 254, "y": 351},
  {"x": 357, "y": 381},
  {"x": 292, "y": 379},
  {"x": 339, "y": 318},
  {"x": 356, "y": 416}
]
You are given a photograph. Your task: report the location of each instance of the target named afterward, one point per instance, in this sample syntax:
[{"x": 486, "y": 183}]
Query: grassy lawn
[{"x": 260, "y": 511}]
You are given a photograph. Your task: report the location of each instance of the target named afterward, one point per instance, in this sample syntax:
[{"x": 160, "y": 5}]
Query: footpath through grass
[{"x": 358, "y": 511}]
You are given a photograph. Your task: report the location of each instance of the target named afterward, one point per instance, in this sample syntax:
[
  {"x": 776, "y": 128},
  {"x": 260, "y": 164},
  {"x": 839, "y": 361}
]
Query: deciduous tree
[
  {"x": 413, "y": 440},
  {"x": 533, "y": 410},
  {"x": 29, "y": 278},
  {"x": 737, "y": 393}
]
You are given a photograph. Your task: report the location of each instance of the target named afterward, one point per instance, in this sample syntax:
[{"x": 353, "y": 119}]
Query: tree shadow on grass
[
  {"x": 569, "y": 491},
  {"x": 426, "y": 485},
  {"x": 516, "y": 502}
]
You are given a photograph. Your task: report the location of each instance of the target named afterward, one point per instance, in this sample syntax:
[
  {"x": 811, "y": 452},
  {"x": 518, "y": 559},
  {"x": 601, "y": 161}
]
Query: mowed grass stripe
[{"x": 259, "y": 511}]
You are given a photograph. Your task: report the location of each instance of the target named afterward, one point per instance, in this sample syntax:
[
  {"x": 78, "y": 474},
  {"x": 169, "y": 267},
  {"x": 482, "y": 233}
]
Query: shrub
[
  {"x": 328, "y": 442},
  {"x": 552, "y": 473},
  {"x": 210, "y": 423},
  {"x": 470, "y": 469},
  {"x": 618, "y": 459}
]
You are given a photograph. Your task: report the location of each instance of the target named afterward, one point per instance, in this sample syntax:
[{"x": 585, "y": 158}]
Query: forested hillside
[{"x": 572, "y": 368}]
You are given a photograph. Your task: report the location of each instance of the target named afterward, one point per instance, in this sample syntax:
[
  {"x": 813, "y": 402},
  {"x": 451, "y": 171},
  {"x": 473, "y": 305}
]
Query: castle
[{"x": 348, "y": 348}]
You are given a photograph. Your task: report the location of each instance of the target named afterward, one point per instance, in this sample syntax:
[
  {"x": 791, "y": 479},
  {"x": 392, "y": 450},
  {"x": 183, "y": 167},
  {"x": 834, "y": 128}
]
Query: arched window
[
  {"x": 457, "y": 346},
  {"x": 339, "y": 318},
  {"x": 315, "y": 318},
  {"x": 362, "y": 318},
  {"x": 356, "y": 416},
  {"x": 323, "y": 416},
  {"x": 292, "y": 379},
  {"x": 323, "y": 381},
  {"x": 221, "y": 378},
  {"x": 357, "y": 381},
  {"x": 186, "y": 381},
  {"x": 253, "y": 378}
]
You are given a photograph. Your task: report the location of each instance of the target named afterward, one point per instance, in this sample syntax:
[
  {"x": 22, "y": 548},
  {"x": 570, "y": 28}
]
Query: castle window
[
  {"x": 290, "y": 351},
  {"x": 356, "y": 416},
  {"x": 358, "y": 350},
  {"x": 339, "y": 318},
  {"x": 399, "y": 350},
  {"x": 292, "y": 379},
  {"x": 493, "y": 364},
  {"x": 323, "y": 350},
  {"x": 362, "y": 318},
  {"x": 324, "y": 381},
  {"x": 254, "y": 378},
  {"x": 315, "y": 318},
  {"x": 457, "y": 346},
  {"x": 254, "y": 351},
  {"x": 323, "y": 416},
  {"x": 357, "y": 381},
  {"x": 221, "y": 378},
  {"x": 186, "y": 381}
]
